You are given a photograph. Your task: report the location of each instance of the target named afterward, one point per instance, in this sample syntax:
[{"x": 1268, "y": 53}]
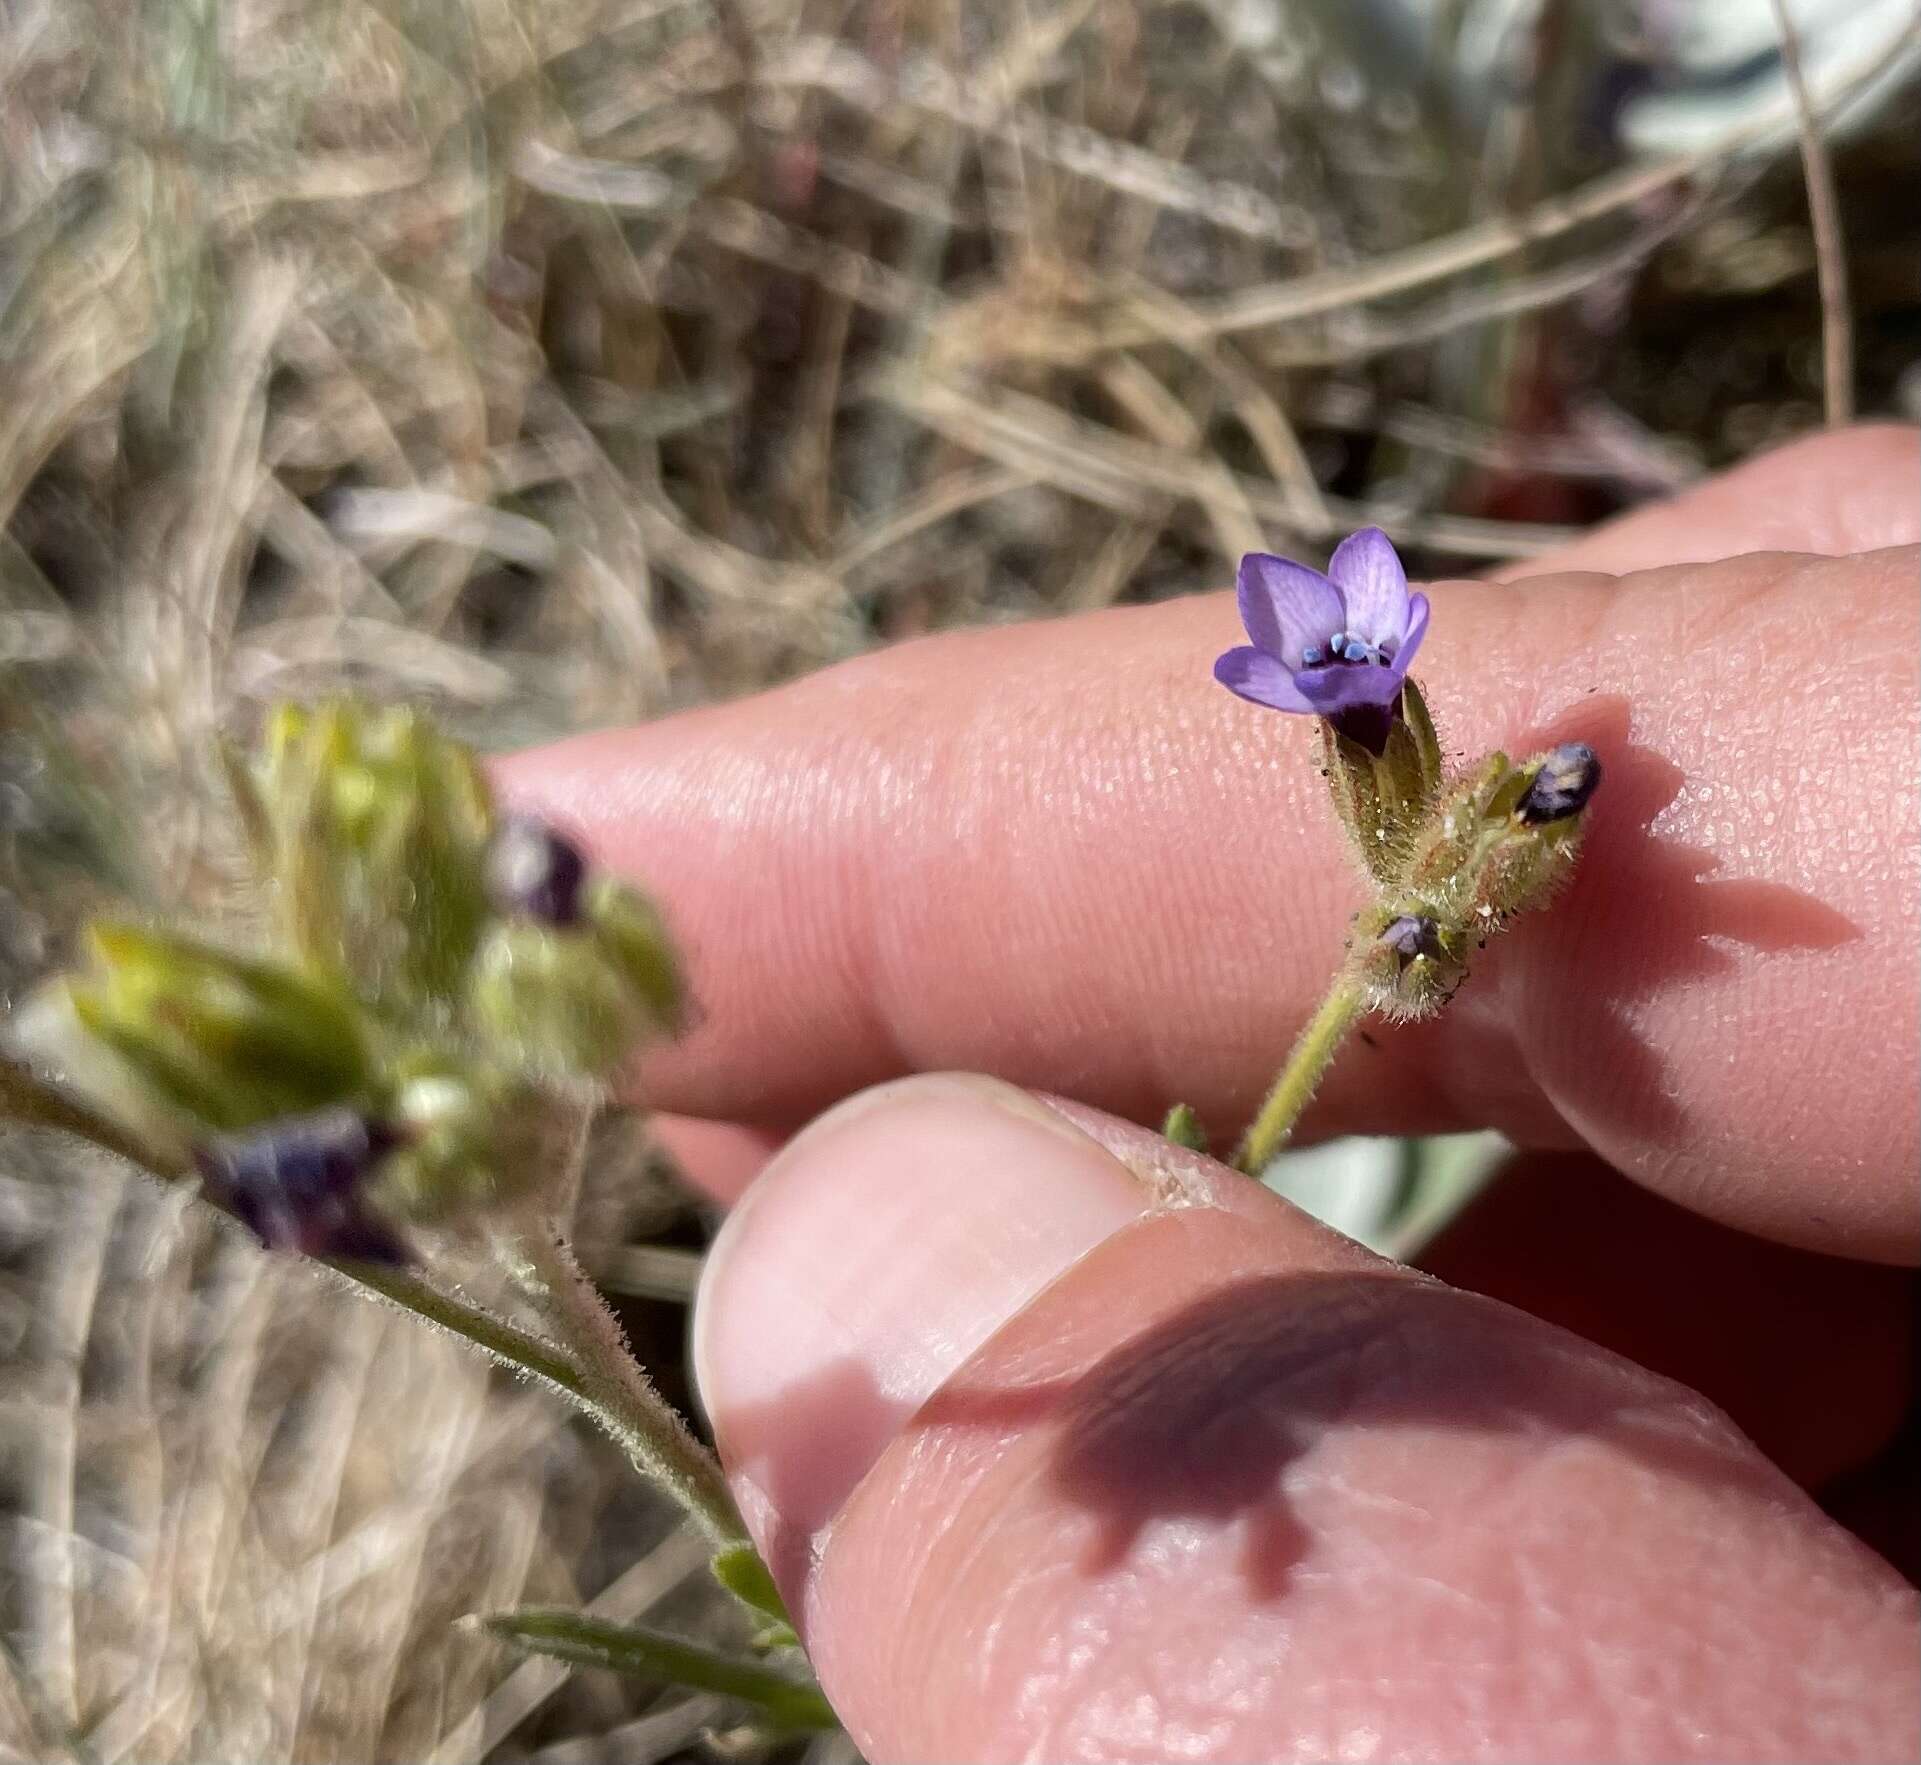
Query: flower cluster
[
  {"x": 442, "y": 989},
  {"x": 1452, "y": 859}
]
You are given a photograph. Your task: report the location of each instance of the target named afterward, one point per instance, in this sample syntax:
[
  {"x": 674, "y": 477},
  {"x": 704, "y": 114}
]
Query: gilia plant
[
  {"x": 445, "y": 996},
  {"x": 440, "y": 1005},
  {"x": 1450, "y": 859}
]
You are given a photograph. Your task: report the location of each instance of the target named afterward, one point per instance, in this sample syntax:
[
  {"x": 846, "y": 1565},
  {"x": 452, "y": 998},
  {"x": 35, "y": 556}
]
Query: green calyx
[
  {"x": 473, "y": 1135},
  {"x": 373, "y": 827},
  {"x": 1381, "y": 798},
  {"x": 1465, "y": 862},
  {"x": 572, "y": 1000}
]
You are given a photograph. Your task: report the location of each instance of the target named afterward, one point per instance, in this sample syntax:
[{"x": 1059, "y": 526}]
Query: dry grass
[{"x": 560, "y": 364}]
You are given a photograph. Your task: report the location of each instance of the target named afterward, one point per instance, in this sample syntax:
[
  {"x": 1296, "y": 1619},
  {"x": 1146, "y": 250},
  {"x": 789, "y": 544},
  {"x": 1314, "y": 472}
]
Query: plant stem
[
  {"x": 590, "y": 1364},
  {"x": 514, "y": 1348},
  {"x": 623, "y": 1398},
  {"x": 1316, "y": 1047},
  {"x": 25, "y": 1097}
]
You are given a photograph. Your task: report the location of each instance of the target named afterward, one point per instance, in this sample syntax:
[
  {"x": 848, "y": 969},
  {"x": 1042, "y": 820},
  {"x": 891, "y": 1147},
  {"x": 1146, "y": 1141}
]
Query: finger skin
[
  {"x": 1812, "y": 1356},
  {"x": 719, "y": 1158},
  {"x": 1063, "y": 855},
  {"x": 1854, "y": 490},
  {"x": 1231, "y": 1489},
  {"x": 1339, "y": 1516}
]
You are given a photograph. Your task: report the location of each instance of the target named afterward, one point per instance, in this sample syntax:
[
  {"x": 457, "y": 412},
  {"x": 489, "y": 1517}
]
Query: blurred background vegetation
[{"x": 558, "y": 362}]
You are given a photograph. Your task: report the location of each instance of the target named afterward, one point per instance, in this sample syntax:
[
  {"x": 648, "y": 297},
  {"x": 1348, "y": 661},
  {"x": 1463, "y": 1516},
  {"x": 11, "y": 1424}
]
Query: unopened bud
[
  {"x": 1568, "y": 777},
  {"x": 534, "y": 873},
  {"x": 1409, "y": 965},
  {"x": 299, "y": 1183},
  {"x": 1412, "y": 935},
  {"x": 372, "y": 827}
]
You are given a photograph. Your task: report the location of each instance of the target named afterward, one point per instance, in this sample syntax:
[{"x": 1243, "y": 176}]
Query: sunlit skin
[{"x": 1062, "y": 856}]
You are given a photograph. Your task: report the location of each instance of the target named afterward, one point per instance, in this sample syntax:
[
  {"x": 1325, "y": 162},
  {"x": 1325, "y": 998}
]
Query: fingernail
[{"x": 873, "y": 1257}]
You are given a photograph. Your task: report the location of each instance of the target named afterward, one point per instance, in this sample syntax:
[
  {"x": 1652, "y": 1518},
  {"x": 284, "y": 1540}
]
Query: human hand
[{"x": 1064, "y": 1443}]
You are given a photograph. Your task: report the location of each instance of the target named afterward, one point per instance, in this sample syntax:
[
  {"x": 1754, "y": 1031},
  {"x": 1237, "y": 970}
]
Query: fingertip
[
  {"x": 1832, "y": 492},
  {"x": 879, "y": 1249},
  {"x": 1064, "y": 1444}
]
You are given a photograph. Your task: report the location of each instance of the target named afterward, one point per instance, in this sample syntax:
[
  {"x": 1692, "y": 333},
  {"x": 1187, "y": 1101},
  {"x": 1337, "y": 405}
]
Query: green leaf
[
  {"x": 744, "y": 1573},
  {"x": 640, "y": 1652},
  {"x": 1183, "y": 1128}
]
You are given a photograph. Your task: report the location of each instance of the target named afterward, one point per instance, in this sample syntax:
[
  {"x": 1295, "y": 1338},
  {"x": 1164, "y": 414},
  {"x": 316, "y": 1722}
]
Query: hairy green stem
[
  {"x": 514, "y": 1348},
  {"x": 623, "y": 1398},
  {"x": 1313, "y": 1051},
  {"x": 590, "y": 1366}
]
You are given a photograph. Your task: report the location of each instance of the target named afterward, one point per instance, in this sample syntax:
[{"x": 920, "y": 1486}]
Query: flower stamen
[{"x": 1344, "y": 646}]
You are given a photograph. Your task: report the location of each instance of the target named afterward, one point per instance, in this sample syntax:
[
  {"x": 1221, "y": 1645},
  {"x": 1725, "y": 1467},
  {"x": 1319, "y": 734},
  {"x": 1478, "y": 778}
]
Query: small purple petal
[
  {"x": 1412, "y": 935},
  {"x": 360, "y": 1238},
  {"x": 1370, "y": 725},
  {"x": 296, "y": 1183},
  {"x": 1367, "y": 570},
  {"x": 1286, "y": 606},
  {"x": 1330, "y": 691},
  {"x": 1417, "y": 610},
  {"x": 1569, "y": 776},
  {"x": 534, "y": 872},
  {"x": 1256, "y": 675}
]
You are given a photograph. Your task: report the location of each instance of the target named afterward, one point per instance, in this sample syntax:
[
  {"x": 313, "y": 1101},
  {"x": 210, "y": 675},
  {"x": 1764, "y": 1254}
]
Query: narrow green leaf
[
  {"x": 644, "y": 1653},
  {"x": 742, "y": 1571},
  {"x": 1183, "y": 1127}
]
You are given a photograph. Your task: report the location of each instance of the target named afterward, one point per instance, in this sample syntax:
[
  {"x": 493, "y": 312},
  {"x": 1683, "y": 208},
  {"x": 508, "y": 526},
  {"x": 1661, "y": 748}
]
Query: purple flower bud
[
  {"x": 296, "y": 1183},
  {"x": 1412, "y": 935},
  {"x": 1568, "y": 777},
  {"x": 1336, "y": 645},
  {"x": 533, "y": 873}
]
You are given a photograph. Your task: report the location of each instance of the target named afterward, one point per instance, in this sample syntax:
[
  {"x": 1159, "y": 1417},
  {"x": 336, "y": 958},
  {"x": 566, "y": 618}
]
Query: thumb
[{"x": 1066, "y": 1444}]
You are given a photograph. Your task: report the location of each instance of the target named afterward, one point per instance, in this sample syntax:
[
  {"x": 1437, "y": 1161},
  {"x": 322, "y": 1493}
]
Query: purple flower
[
  {"x": 533, "y": 872},
  {"x": 1335, "y": 646},
  {"x": 1412, "y": 935},
  {"x": 1569, "y": 776},
  {"x": 295, "y": 1183}
]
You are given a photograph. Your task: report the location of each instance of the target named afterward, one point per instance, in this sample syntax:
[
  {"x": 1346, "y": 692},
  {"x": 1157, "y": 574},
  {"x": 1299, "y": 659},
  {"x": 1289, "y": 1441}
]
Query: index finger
[{"x": 1062, "y": 855}]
